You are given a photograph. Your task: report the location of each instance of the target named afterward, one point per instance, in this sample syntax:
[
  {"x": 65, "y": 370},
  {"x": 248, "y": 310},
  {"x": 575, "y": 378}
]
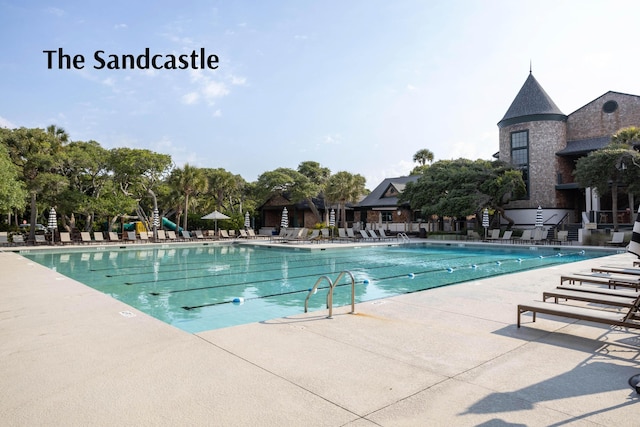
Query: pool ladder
[
  {"x": 404, "y": 237},
  {"x": 330, "y": 293}
]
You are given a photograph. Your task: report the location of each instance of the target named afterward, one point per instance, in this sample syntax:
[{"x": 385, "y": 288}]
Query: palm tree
[
  {"x": 423, "y": 157},
  {"x": 189, "y": 181},
  {"x": 344, "y": 187},
  {"x": 59, "y": 133}
]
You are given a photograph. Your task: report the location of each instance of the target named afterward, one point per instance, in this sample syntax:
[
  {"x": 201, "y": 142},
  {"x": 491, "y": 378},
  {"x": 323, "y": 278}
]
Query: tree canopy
[{"x": 459, "y": 188}]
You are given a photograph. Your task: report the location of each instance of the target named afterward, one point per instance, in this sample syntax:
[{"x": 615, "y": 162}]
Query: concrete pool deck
[{"x": 448, "y": 356}]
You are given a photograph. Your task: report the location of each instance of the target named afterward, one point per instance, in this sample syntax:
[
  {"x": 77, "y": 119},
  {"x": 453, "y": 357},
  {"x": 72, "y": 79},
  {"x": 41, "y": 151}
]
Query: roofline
[
  {"x": 532, "y": 118},
  {"x": 604, "y": 94}
]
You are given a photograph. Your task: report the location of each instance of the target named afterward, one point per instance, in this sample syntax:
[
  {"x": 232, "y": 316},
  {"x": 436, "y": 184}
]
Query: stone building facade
[{"x": 536, "y": 137}]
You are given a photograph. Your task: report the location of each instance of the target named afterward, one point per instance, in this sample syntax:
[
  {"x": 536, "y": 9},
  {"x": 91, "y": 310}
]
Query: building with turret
[{"x": 539, "y": 139}]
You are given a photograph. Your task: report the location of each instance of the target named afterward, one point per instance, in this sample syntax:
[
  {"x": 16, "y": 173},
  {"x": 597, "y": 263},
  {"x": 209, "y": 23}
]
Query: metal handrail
[
  {"x": 404, "y": 237},
  {"x": 330, "y": 293},
  {"x": 313, "y": 291}
]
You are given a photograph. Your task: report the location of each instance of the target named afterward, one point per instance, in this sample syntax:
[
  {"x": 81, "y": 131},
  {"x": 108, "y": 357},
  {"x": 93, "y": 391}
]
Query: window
[
  {"x": 520, "y": 155},
  {"x": 387, "y": 216}
]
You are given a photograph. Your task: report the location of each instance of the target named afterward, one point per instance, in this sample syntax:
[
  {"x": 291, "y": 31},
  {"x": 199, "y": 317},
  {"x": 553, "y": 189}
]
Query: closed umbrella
[
  {"x": 53, "y": 223},
  {"x": 539, "y": 221},
  {"x": 284, "y": 222},
  {"x": 247, "y": 220},
  {"x": 156, "y": 219},
  {"x": 332, "y": 218},
  {"x": 485, "y": 221},
  {"x": 634, "y": 245}
]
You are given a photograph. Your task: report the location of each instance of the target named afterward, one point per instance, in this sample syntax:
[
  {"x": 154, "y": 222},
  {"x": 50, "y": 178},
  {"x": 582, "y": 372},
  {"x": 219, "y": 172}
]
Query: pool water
[{"x": 209, "y": 287}]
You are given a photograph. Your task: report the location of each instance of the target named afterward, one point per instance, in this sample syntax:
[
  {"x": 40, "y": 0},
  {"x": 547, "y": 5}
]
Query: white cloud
[
  {"x": 217, "y": 113},
  {"x": 4, "y": 123},
  {"x": 120, "y": 26},
  {"x": 213, "y": 90},
  {"x": 238, "y": 81},
  {"x": 56, "y": 11},
  {"x": 190, "y": 98},
  {"x": 335, "y": 139}
]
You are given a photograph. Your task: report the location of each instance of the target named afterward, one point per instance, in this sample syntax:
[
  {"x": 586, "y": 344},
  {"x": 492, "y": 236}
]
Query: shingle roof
[
  {"x": 531, "y": 104},
  {"x": 581, "y": 147},
  {"x": 376, "y": 197}
]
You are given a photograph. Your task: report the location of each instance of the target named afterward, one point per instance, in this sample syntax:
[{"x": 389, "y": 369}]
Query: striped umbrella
[
  {"x": 332, "y": 218},
  {"x": 485, "y": 221},
  {"x": 53, "y": 223},
  {"x": 539, "y": 221},
  {"x": 247, "y": 220},
  {"x": 156, "y": 219},
  {"x": 284, "y": 222},
  {"x": 634, "y": 245}
]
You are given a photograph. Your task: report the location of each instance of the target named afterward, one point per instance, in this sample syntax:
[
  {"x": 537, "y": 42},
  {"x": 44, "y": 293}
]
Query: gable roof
[
  {"x": 381, "y": 195},
  {"x": 531, "y": 104}
]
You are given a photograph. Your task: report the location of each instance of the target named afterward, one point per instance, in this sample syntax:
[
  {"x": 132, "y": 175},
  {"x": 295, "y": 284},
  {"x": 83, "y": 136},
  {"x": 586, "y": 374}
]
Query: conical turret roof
[{"x": 531, "y": 104}]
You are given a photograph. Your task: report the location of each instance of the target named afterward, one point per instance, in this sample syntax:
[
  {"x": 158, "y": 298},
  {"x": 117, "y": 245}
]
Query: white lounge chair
[{"x": 617, "y": 239}]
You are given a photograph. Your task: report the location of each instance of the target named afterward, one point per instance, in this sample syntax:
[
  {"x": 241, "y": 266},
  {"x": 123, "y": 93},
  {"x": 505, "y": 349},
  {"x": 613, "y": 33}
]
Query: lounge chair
[
  {"x": 625, "y": 318},
  {"x": 17, "y": 239},
  {"x": 98, "y": 236},
  {"x": 171, "y": 235},
  {"x": 144, "y": 236},
  {"x": 506, "y": 237},
  {"x": 314, "y": 236},
  {"x": 602, "y": 279},
  {"x": 324, "y": 232},
  {"x": 251, "y": 234},
  {"x": 365, "y": 235},
  {"x": 113, "y": 236},
  {"x": 232, "y": 234},
  {"x": 243, "y": 234},
  {"x": 617, "y": 270},
  {"x": 40, "y": 239},
  {"x": 350, "y": 234},
  {"x": 600, "y": 290},
  {"x": 525, "y": 238},
  {"x": 342, "y": 234},
  {"x": 131, "y": 236},
  {"x": 186, "y": 235},
  {"x": 224, "y": 234},
  {"x": 374, "y": 235},
  {"x": 617, "y": 239},
  {"x": 65, "y": 237},
  {"x": 538, "y": 236},
  {"x": 594, "y": 298},
  {"x": 494, "y": 234},
  {"x": 85, "y": 237},
  {"x": 4, "y": 238},
  {"x": 384, "y": 236},
  {"x": 199, "y": 234},
  {"x": 162, "y": 235}
]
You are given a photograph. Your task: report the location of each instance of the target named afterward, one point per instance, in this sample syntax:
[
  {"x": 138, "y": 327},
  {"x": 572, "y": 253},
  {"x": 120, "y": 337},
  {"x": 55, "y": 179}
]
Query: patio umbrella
[
  {"x": 215, "y": 215},
  {"x": 53, "y": 223},
  {"x": 485, "y": 221},
  {"x": 539, "y": 221},
  {"x": 284, "y": 222},
  {"x": 156, "y": 219},
  {"x": 332, "y": 218},
  {"x": 247, "y": 220},
  {"x": 634, "y": 245}
]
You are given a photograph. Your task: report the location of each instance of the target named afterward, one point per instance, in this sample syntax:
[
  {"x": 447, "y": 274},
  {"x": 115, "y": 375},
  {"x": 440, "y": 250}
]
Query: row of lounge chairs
[
  {"x": 318, "y": 235},
  {"x": 537, "y": 236},
  {"x": 593, "y": 297}
]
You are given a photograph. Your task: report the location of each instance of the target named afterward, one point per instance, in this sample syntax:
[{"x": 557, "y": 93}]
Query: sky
[{"x": 357, "y": 86}]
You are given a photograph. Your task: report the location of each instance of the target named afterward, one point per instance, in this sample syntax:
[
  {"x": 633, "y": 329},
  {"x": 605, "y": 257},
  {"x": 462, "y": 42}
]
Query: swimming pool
[{"x": 199, "y": 288}]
